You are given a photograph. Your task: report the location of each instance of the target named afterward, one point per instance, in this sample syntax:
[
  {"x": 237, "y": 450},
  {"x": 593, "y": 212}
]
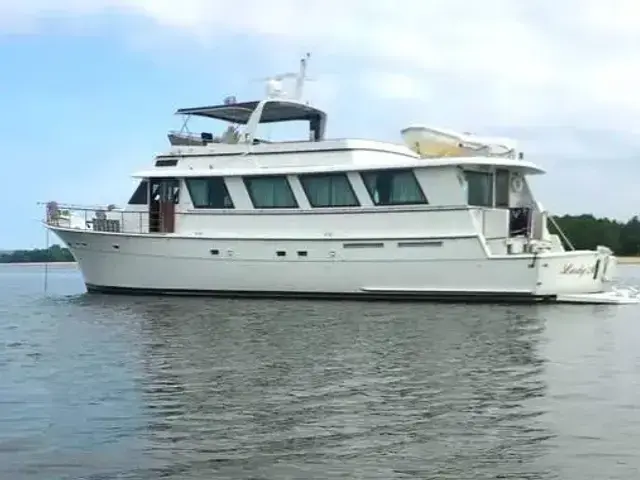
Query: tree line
[
  {"x": 55, "y": 253},
  {"x": 583, "y": 231},
  {"x": 587, "y": 232}
]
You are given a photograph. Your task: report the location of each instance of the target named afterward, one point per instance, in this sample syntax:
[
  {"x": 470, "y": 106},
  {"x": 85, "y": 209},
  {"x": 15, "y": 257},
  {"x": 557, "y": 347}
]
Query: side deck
[{"x": 486, "y": 231}]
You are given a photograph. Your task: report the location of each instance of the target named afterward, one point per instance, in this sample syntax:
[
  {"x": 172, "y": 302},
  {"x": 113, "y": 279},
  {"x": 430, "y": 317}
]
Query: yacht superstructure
[{"x": 441, "y": 216}]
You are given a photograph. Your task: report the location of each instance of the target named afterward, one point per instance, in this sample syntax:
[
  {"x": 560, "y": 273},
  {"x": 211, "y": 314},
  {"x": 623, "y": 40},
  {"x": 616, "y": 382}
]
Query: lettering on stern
[{"x": 578, "y": 270}]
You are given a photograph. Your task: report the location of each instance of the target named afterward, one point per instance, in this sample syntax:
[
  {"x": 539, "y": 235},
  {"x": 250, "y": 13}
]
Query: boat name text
[{"x": 572, "y": 269}]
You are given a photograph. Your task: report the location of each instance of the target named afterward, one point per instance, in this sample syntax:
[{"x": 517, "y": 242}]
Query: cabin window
[
  {"x": 479, "y": 188},
  {"x": 209, "y": 192},
  {"x": 502, "y": 188},
  {"x": 329, "y": 190},
  {"x": 167, "y": 162},
  {"x": 270, "y": 192},
  {"x": 393, "y": 187},
  {"x": 141, "y": 194}
]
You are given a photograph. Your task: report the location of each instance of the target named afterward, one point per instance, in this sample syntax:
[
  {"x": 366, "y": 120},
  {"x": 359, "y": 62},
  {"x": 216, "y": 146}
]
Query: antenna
[{"x": 302, "y": 76}]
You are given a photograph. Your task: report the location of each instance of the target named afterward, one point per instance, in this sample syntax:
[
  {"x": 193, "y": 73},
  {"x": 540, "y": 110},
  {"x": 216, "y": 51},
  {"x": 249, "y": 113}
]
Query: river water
[{"x": 109, "y": 387}]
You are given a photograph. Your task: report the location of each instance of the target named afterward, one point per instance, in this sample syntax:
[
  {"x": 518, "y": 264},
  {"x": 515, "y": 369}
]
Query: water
[{"x": 98, "y": 387}]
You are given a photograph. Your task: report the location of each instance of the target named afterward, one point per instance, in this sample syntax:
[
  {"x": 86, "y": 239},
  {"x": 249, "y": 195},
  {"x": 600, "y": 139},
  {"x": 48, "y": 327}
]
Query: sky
[{"x": 88, "y": 88}]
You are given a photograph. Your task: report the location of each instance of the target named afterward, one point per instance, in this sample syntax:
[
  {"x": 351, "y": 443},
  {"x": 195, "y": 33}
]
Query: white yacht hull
[
  {"x": 319, "y": 217},
  {"x": 372, "y": 268}
]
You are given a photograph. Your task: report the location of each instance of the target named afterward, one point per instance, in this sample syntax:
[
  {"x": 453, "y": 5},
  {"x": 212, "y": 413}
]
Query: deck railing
[{"x": 108, "y": 218}]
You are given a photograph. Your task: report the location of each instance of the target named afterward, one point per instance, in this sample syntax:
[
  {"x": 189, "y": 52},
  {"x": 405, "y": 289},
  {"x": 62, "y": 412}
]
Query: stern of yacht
[{"x": 582, "y": 277}]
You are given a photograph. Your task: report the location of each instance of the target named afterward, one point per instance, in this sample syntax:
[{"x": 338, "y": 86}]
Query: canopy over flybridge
[{"x": 275, "y": 110}]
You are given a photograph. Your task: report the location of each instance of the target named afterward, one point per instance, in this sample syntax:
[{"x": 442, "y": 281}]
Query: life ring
[{"x": 516, "y": 183}]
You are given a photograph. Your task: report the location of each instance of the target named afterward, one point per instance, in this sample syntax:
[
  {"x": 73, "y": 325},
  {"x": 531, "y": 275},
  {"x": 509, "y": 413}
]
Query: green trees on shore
[
  {"x": 55, "y": 253},
  {"x": 587, "y": 232},
  {"x": 584, "y": 232}
]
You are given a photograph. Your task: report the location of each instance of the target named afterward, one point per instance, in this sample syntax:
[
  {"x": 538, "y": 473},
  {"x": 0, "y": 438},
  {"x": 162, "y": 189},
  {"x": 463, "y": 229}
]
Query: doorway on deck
[
  {"x": 500, "y": 189},
  {"x": 518, "y": 216},
  {"x": 162, "y": 204}
]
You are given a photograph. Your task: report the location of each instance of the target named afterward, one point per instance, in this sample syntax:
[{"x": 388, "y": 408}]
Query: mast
[{"x": 302, "y": 76}]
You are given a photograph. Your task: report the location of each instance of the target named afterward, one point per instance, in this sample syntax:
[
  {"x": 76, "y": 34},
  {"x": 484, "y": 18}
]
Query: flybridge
[{"x": 277, "y": 107}]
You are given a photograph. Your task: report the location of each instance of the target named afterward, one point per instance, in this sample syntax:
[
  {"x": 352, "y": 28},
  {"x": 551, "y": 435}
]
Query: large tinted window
[
  {"x": 270, "y": 192},
  {"x": 329, "y": 190},
  {"x": 479, "y": 188},
  {"x": 209, "y": 192},
  {"x": 141, "y": 195},
  {"x": 393, "y": 187}
]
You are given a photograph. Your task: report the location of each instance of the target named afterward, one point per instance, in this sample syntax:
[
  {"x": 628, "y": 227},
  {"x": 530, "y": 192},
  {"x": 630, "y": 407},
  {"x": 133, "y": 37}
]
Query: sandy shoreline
[{"x": 629, "y": 260}]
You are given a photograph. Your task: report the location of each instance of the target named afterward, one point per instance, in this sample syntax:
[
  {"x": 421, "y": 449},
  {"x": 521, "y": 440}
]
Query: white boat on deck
[{"x": 442, "y": 216}]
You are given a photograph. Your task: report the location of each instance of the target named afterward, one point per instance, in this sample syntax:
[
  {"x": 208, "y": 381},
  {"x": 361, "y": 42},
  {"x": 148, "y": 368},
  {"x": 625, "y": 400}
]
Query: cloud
[
  {"x": 572, "y": 62},
  {"x": 563, "y": 74},
  {"x": 394, "y": 86}
]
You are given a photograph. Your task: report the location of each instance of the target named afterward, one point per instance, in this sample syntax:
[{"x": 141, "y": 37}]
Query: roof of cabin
[
  {"x": 274, "y": 111},
  {"x": 233, "y": 159}
]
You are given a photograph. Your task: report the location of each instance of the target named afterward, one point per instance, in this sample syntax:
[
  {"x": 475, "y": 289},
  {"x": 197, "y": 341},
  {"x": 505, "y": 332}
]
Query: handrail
[
  {"x": 560, "y": 232},
  {"x": 89, "y": 207},
  {"x": 295, "y": 211}
]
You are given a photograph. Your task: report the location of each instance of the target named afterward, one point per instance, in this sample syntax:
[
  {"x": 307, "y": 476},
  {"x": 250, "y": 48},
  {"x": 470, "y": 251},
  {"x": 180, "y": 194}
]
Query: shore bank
[{"x": 629, "y": 260}]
